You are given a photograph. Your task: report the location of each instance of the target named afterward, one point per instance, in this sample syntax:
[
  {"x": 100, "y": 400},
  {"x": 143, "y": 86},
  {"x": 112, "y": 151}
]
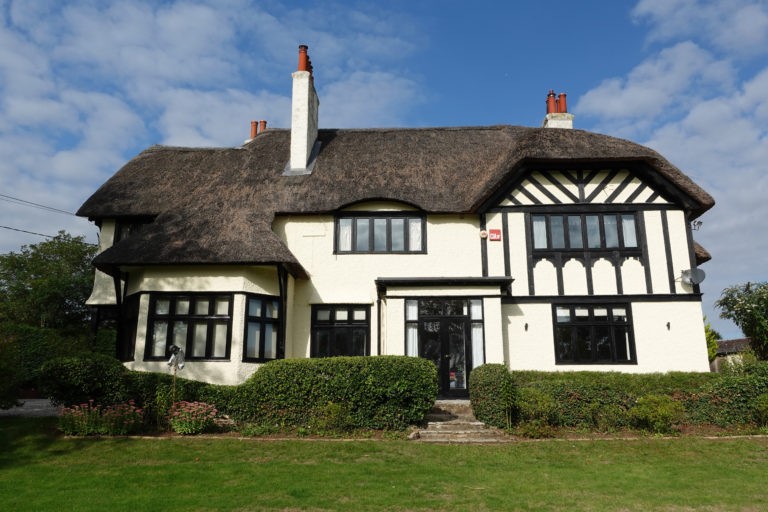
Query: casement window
[
  {"x": 201, "y": 324},
  {"x": 593, "y": 334},
  {"x": 588, "y": 231},
  {"x": 262, "y": 326},
  {"x": 340, "y": 330},
  {"x": 380, "y": 233}
]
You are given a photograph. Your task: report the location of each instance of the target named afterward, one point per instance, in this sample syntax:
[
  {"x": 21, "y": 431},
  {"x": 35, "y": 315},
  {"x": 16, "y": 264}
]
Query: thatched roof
[
  {"x": 702, "y": 255},
  {"x": 217, "y": 205}
]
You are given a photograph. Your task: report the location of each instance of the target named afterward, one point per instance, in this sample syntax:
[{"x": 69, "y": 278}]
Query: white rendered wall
[
  {"x": 681, "y": 348},
  {"x": 350, "y": 278},
  {"x": 103, "y": 285}
]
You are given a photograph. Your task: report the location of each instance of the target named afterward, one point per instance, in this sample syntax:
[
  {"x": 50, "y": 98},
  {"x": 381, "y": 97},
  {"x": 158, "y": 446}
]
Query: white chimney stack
[
  {"x": 557, "y": 112},
  {"x": 304, "y": 107}
]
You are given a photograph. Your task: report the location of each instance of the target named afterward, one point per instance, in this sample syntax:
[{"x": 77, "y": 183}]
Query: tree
[
  {"x": 47, "y": 284},
  {"x": 747, "y": 305},
  {"x": 712, "y": 337}
]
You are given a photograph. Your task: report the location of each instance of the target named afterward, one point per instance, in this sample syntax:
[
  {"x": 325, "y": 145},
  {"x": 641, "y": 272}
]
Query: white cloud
[
  {"x": 365, "y": 99},
  {"x": 663, "y": 85},
  {"x": 739, "y": 27}
]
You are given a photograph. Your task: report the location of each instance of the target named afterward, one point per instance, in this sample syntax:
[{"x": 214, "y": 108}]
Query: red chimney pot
[
  {"x": 551, "y": 102},
  {"x": 303, "y": 58},
  {"x": 254, "y": 129},
  {"x": 262, "y": 126},
  {"x": 562, "y": 106}
]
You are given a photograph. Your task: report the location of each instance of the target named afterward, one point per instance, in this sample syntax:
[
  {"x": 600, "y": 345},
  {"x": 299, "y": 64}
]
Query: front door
[{"x": 445, "y": 341}]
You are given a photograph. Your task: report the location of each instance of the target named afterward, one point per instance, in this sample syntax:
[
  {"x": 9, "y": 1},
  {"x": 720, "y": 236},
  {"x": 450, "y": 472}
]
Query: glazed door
[{"x": 445, "y": 342}]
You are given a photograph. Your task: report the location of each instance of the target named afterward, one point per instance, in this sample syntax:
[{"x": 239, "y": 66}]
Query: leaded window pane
[
  {"x": 359, "y": 315},
  {"x": 563, "y": 314},
  {"x": 254, "y": 307},
  {"x": 362, "y": 228},
  {"x": 478, "y": 346},
  {"x": 162, "y": 306},
  {"x": 593, "y": 231},
  {"x": 180, "y": 334},
  {"x": 345, "y": 235},
  {"x": 583, "y": 343},
  {"x": 414, "y": 235},
  {"x": 539, "y": 232},
  {"x": 342, "y": 315},
  {"x": 159, "y": 334},
  {"x": 253, "y": 340},
  {"x": 574, "y": 232},
  {"x": 621, "y": 342},
  {"x": 476, "y": 309},
  {"x": 557, "y": 232},
  {"x": 411, "y": 310},
  {"x": 201, "y": 306},
  {"x": 602, "y": 340},
  {"x": 272, "y": 309},
  {"x": 270, "y": 341},
  {"x": 199, "y": 339},
  {"x": 611, "y": 231},
  {"x": 398, "y": 234},
  {"x": 222, "y": 306},
  {"x": 219, "y": 340},
  {"x": 411, "y": 340},
  {"x": 379, "y": 235},
  {"x": 182, "y": 306},
  {"x": 563, "y": 343},
  {"x": 628, "y": 230},
  {"x": 323, "y": 315}
]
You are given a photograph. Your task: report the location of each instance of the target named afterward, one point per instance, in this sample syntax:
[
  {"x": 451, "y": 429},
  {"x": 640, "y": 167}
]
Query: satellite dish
[{"x": 693, "y": 276}]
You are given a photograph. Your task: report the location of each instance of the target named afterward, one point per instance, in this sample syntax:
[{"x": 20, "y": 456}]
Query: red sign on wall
[{"x": 494, "y": 235}]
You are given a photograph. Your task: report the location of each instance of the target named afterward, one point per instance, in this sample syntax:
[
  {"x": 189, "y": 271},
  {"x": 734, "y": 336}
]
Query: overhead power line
[
  {"x": 25, "y": 231},
  {"x": 22, "y": 202}
]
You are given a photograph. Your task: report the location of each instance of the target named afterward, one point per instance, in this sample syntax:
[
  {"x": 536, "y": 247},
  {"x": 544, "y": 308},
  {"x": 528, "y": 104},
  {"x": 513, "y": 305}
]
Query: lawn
[{"x": 41, "y": 470}]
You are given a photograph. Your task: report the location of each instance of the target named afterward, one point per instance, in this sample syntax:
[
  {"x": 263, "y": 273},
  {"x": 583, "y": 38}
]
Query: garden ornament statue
[
  {"x": 176, "y": 362},
  {"x": 177, "y": 358}
]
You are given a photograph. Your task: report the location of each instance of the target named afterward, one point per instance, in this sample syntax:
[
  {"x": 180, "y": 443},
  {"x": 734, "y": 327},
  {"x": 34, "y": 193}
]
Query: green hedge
[
  {"x": 609, "y": 400},
  {"x": 77, "y": 379},
  {"x": 492, "y": 395},
  {"x": 388, "y": 392}
]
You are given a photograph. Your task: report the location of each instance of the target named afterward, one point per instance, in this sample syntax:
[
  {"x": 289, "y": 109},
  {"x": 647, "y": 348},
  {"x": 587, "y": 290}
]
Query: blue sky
[{"x": 86, "y": 85}]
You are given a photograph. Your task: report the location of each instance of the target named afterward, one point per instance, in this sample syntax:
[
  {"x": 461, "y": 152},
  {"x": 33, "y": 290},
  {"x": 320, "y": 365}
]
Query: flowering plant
[
  {"x": 191, "y": 417},
  {"x": 91, "y": 419}
]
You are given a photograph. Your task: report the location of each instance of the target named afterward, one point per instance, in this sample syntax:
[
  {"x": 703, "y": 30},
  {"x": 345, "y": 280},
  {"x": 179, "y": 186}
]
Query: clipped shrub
[
  {"x": 492, "y": 395},
  {"x": 382, "y": 392},
  {"x": 536, "y": 406},
  {"x": 331, "y": 417},
  {"x": 761, "y": 410},
  {"x": 79, "y": 379},
  {"x": 656, "y": 413}
]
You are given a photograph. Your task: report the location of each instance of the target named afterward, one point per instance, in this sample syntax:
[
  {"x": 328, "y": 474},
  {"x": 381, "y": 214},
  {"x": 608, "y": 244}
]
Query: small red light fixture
[{"x": 494, "y": 235}]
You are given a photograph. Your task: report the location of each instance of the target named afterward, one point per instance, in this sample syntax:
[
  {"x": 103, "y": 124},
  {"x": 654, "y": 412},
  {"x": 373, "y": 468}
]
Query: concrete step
[{"x": 452, "y": 421}]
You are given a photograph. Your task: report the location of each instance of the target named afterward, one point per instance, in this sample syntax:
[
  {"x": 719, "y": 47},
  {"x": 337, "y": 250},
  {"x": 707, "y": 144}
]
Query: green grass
[{"x": 40, "y": 470}]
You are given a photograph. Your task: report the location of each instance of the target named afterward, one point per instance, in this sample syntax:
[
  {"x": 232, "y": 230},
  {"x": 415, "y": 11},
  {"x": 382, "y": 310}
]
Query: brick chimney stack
[
  {"x": 557, "y": 112},
  {"x": 304, "y": 109}
]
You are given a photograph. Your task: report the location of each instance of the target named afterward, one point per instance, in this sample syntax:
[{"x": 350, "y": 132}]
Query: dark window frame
[
  {"x": 263, "y": 320},
  {"x": 335, "y": 326},
  {"x": 371, "y": 218},
  {"x": 573, "y": 327},
  {"x": 211, "y": 319},
  {"x": 583, "y": 245}
]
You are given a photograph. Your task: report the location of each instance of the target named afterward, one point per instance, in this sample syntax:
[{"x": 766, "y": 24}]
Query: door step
[{"x": 452, "y": 421}]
